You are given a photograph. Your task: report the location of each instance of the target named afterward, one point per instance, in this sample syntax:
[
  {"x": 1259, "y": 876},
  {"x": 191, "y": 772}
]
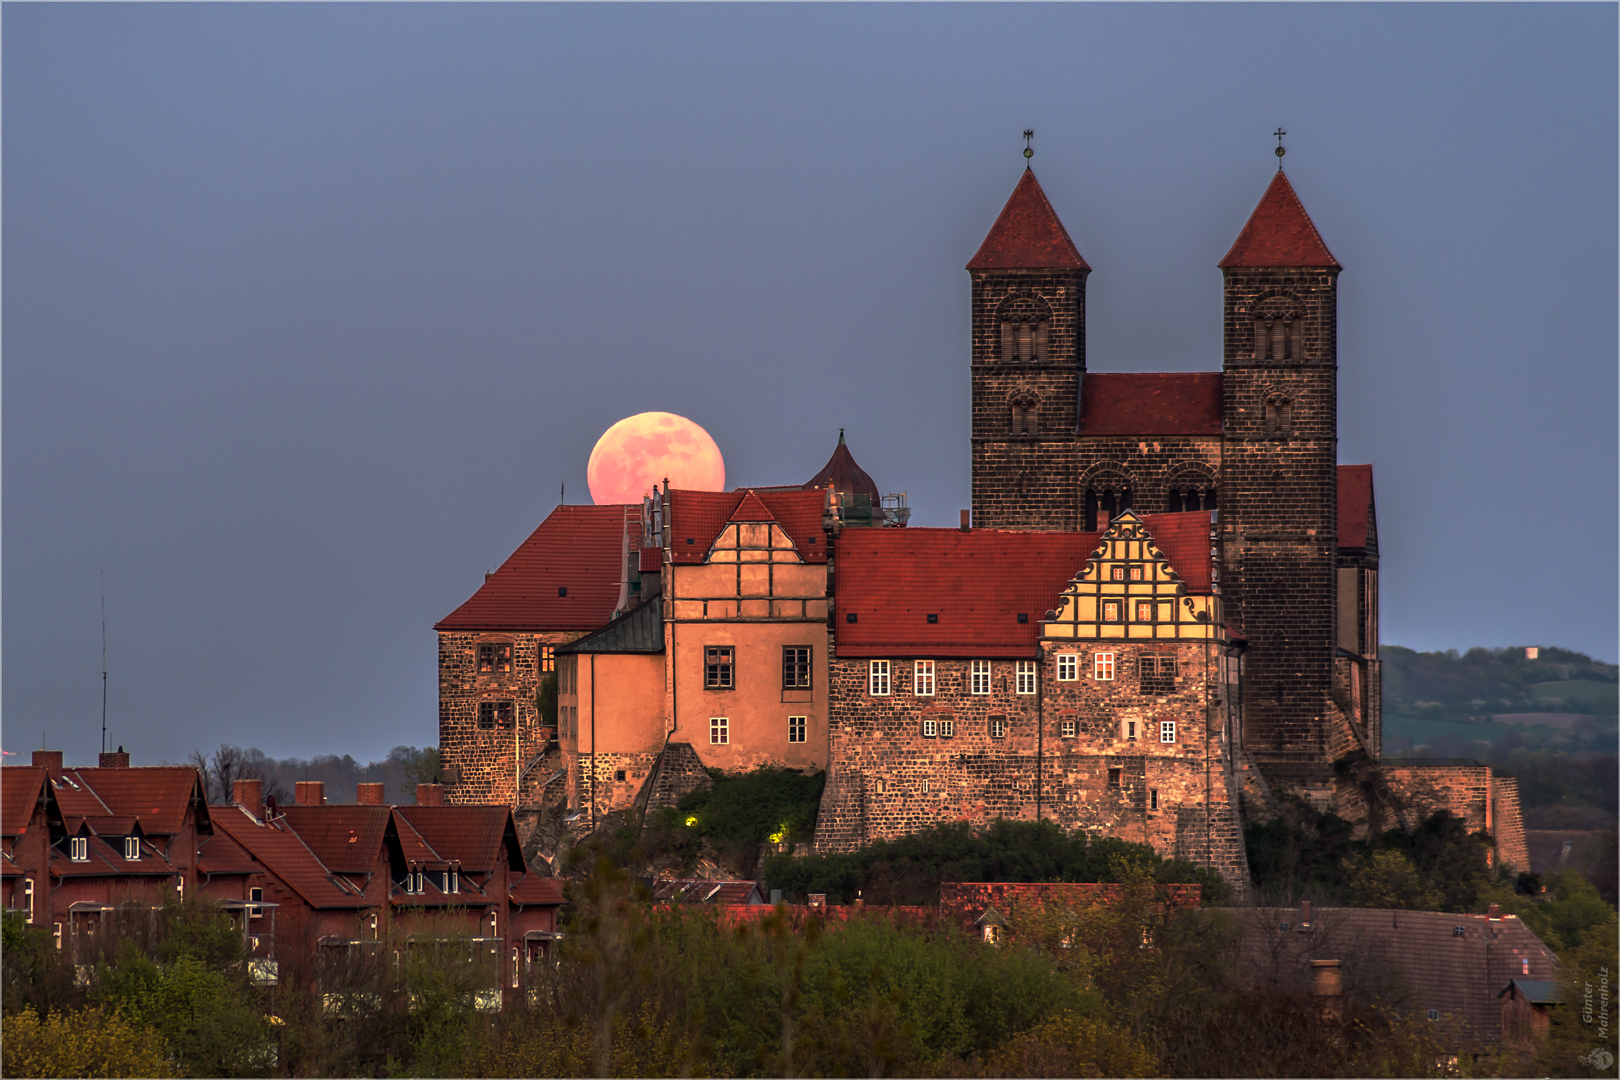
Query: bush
[{"x": 89, "y": 1042}]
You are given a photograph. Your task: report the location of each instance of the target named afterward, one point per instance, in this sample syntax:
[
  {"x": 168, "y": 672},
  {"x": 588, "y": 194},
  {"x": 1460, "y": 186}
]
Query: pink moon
[{"x": 641, "y": 450}]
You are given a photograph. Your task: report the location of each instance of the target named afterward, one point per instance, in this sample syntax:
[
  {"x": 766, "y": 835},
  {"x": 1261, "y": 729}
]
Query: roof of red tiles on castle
[
  {"x": 697, "y": 518},
  {"x": 1028, "y": 235},
  {"x": 844, "y": 475},
  {"x": 577, "y": 548},
  {"x": 977, "y": 583},
  {"x": 1178, "y": 403},
  {"x": 1355, "y": 504},
  {"x": 1279, "y": 233}
]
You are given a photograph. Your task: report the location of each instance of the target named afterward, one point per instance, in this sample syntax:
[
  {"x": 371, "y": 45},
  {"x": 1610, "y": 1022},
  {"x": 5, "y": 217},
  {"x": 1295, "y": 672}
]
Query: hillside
[{"x": 1475, "y": 686}]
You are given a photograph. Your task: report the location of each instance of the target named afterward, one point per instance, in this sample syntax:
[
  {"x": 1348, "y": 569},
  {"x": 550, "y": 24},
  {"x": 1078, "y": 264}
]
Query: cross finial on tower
[
  {"x": 1280, "y": 151},
  {"x": 1029, "y": 151}
]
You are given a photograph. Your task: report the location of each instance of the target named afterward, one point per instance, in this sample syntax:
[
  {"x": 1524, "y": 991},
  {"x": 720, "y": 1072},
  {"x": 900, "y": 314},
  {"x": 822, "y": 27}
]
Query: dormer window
[
  {"x": 79, "y": 849},
  {"x": 132, "y": 847}
]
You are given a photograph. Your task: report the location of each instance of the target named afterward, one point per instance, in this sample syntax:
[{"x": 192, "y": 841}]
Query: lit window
[
  {"x": 981, "y": 677},
  {"x": 548, "y": 658},
  {"x": 1068, "y": 729},
  {"x": 930, "y": 729},
  {"x": 1136, "y": 573},
  {"x": 923, "y": 678},
  {"x": 796, "y": 726},
  {"x": 79, "y": 849},
  {"x": 1117, "y": 573},
  {"x": 514, "y": 969},
  {"x": 878, "y": 684},
  {"x": 1144, "y": 611},
  {"x": 719, "y": 730},
  {"x": 56, "y": 932},
  {"x": 255, "y": 896},
  {"x": 1026, "y": 676},
  {"x": 1102, "y": 666},
  {"x": 132, "y": 847},
  {"x": 1110, "y": 610},
  {"x": 1068, "y": 667},
  {"x": 717, "y": 667},
  {"x": 1167, "y": 731},
  {"x": 998, "y": 727},
  {"x": 796, "y": 667},
  {"x": 495, "y": 658},
  {"x": 493, "y": 714}
]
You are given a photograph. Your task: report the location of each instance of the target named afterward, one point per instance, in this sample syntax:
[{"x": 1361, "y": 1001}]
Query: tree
[{"x": 89, "y": 1042}]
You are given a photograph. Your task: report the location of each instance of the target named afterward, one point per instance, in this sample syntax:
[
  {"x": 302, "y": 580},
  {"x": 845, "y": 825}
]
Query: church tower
[
  {"x": 1278, "y": 484},
  {"x": 1029, "y": 352}
]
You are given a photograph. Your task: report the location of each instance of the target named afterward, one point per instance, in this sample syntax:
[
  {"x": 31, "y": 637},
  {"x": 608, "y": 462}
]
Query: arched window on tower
[
  {"x": 1024, "y": 414},
  {"x": 1104, "y": 501},
  {"x": 1279, "y": 324},
  {"x": 1025, "y": 328},
  {"x": 1279, "y": 416},
  {"x": 1188, "y": 497}
]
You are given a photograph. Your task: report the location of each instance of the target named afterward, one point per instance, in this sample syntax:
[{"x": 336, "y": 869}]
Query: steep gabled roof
[
  {"x": 416, "y": 851},
  {"x": 751, "y": 509},
  {"x": 697, "y": 517},
  {"x": 284, "y": 854},
  {"x": 477, "y": 837},
  {"x": 20, "y": 788},
  {"x": 1176, "y": 403},
  {"x": 1279, "y": 233},
  {"x": 531, "y": 888},
  {"x": 347, "y": 838},
  {"x": 219, "y": 854},
  {"x": 159, "y": 795},
  {"x": 1028, "y": 235},
  {"x": 844, "y": 475},
  {"x": 75, "y": 796},
  {"x": 1355, "y": 507},
  {"x": 577, "y": 548}
]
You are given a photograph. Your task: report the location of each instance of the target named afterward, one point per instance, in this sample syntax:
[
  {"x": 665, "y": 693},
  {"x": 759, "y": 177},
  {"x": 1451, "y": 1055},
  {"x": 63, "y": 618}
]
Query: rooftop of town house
[
  {"x": 282, "y": 852},
  {"x": 477, "y": 838},
  {"x": 21, "y": 787},
  {"x": 694, "y": 891},
  {"x": 347, "y": 837},
  {"x": 160, "y": 796},
  {"x": 565, "y": 576}
]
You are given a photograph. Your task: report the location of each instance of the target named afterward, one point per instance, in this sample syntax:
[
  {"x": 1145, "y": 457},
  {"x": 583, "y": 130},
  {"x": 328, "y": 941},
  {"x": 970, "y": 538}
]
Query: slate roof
[
  {"x": 1279, "y": 233},
  {"x": 577, "y": 548},
  {"x": 1027, "y": 234},
  {"x": 697, "y": 518},
  {"x": 639, "y": 630},
  {"x": 477, "y": 837},
  {"x": 283, "y": 853},
  {"x": 844, "y": 475},
  {"x": 1133, "y": 403},
  {"x": 19, "y": 793},
  {"x": 1355, "y": 506},
  {"x": 347, "y": 838},
  {"x": 977, "y": 583},
  {"x": 159, "y": 795},
  {"x": 1535, "y": 991}
]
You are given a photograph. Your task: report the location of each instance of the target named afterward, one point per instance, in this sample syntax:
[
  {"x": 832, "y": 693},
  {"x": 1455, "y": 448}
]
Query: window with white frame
[
  {"x": 947, "y": 728},
  {"x": 1167, "y": 731},
  {"x": 980, "y": 675},
  {"x": 79, "y": 849},
  {"x": 719, "y": 730},
  {"x": 28, "y": 897},
  {"x": 515, "y": 969},
  {"x": 132, "y": 847},
  {"x": 1068, "y": 667},
  {"x": 998, "y": 727},
  {"x": 455, "y": 881},
  {"x": 930, "y": 729},
  {"x": 922, "y": 677},
  {"x": 1025, "y": 679},
  {"x": 1130, "y": 730},
  {"x": 878, "y": 684},
  {"x": 1102, "y": 666},
  {"x": 796, "y": 725},
  {"x": 1068, "y": 729}
]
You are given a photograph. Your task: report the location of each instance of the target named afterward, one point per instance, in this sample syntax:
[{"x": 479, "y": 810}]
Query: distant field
[
  {"x": 1422, "y": 731},
  {"x": 1583, "y": 690}
]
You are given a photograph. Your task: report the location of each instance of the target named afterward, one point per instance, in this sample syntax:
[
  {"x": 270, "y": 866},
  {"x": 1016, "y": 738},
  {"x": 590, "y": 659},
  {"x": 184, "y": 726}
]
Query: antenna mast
[{"x": 104, "y": 661}]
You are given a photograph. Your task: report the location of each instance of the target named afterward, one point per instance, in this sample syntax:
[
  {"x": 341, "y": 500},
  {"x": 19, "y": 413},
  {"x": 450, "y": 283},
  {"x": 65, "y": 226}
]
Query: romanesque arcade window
[
  {"x": 1279, "y": 416},
  {"x": 1186, "y": 497},
  {"x": 1279, "y": 324},
  {"x": 1104, "y": 502}
]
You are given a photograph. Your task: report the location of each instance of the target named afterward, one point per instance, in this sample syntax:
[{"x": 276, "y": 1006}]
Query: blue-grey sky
[{"x": 310, "y": 309}]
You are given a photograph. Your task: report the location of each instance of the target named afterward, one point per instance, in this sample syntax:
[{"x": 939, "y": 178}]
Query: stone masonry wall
[{"x": 1511, "y": 846}]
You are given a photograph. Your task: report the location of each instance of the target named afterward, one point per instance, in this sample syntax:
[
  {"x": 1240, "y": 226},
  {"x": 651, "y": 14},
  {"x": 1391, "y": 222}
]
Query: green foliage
[
  {"x": 207, "y": 1020},
  {"x": 1482, "y": 682},
  {"x": 909, "y": 870},
  {"x": 1071, "y": 1044},
  {"x": 419, "y": 767},
  {"x": 1387, "y": 879},
  {"x": 545, "y": 699},
  {"x": 739, "y": 814},
  {"x": 88, "y": 1042}
]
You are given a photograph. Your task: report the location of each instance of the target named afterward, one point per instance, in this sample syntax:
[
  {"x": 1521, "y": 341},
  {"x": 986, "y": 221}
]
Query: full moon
[{"x": 641, "y": 450}]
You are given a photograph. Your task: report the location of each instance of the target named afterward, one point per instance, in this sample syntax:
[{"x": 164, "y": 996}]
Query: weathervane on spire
[
  {"x": 1029, "y": 151},
  {"x": 1280, "y": 151}
]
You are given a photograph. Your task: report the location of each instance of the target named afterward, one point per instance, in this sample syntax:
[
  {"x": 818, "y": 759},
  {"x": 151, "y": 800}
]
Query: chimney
[
  {"x": 429, "y": 795},
  {"x": 309, "y": 793},
  {"x": 967, "y": 520},
  {"x": 369, "y": 794},
  {"x": 249, "y": 794},
  {"x": 1304, "y": 914},
  {"x": 1325, "y": 989},
  {"x": 1494, "y": 912},
  {"x": 50, "y": 760},
  {"x": 118, "y": 759}
]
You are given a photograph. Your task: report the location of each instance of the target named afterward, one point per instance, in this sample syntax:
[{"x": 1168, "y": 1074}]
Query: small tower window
[
  {"x": 1024, "y": 340},
  {"x": 1279, "y": 416}
]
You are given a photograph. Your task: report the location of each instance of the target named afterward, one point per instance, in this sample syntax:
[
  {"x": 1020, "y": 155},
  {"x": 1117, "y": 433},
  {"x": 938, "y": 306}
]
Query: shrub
[{"x": 89, "y": 1042}]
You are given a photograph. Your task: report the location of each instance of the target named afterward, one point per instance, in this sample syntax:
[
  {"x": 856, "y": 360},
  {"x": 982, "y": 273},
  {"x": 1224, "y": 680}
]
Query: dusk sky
[{"x": 309, "y": 310}]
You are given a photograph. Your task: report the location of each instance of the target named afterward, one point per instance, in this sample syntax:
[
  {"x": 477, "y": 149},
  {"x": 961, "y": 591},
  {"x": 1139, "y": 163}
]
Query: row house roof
[
  {"x": 21, "y": 788},
  {"x": 160, "y": 796},
  {"x": 976, "y": 584},
  {"x": 104, "y": 860},
  {"x": 284, "y": 853}
]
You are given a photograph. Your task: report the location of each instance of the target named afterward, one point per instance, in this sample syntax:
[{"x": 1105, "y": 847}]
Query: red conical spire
[
  {"x": 1028, "y": 235},
  {"x": 1279, "y": 233}
]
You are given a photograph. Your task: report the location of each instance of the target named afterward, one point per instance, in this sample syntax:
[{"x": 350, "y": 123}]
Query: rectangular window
[
  {"x": 132, "y": 847},
  {"x": 1102, "y": 666},
  {"x": 1144, "y": 611},
  {"x": 1153, "y": 798},
  {"x": 719, "y": 731},
  {"x": 1167, "y": 731},
  {"x": 930, "y": 728},
  {"x": 923, "y": 678},
  {"x": 547, "y": 658},
  {"x": 1130, "y": 730},
  {"x": 255, "y": 895},
  {"x": 878, "y": 683},
  {"x": 717, "y": 667},
  {"x": 1068, "y": 667},
  {"x": 796, "y": 667},
  {"x": 79, "y": 849},
  {"x": 1110, "y": 610},
  {"x": 1068, "y": 729},
  {"x": 1115, "y": 777},
  {"x": 455, "y": 881},
  {"x": 947, "y": 728},
  {"x": 1117, "y": 573},
  {"x": 495, "y": 658},
  {"x": 998, "y": 727},
  {"x": 1136, "y": 573},
  {"x": 981, "y": 677},
  {"x": 493, "y": 714},
  {"x": 1026, "y": 676},
  {"x": 28, "y": 897},
  {"x": 796, "y": 726}
]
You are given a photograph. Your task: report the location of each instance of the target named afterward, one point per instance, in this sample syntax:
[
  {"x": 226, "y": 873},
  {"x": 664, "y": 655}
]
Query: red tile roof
[
  {"x": 19, "y": 793},
  {"x": 697, "y": 518},
  {"x": 284, "y": 854},
  {"x": 1279, "y": 233},
  {"x": 219, "y": 854},
  {"x": 347, "y": 838},
  {"x": 577, "y": 548},
  {"x": 105, "y": 860},
  {"x": 751, "y": 509},
  {"x": 1180, "y": 403},
  {"x": 1028, "y": 235},
  {"x": 652, "y": 560},
  {"x": 977, "y": 583},
  {"x": 74, "y": 796},
  {"x": 534, "y": 889},
  {"x": 477, "y": 837},
  {"x": 844, "y": 475},
  {"x": 159, "y": 795},
  {"x": 1355, "y": 504},
  {"x": 417, "y": 851}
]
